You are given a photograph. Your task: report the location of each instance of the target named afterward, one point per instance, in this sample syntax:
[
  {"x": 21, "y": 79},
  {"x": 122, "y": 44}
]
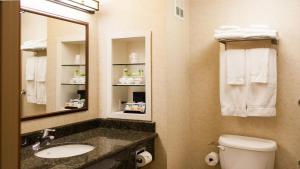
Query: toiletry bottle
[
  {"x": 77, "y": 59},
  {"x": 125, "y": 72}
]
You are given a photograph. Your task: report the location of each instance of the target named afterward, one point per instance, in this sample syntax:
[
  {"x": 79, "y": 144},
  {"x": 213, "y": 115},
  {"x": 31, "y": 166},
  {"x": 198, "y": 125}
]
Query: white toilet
[{"x": 239, "y": 152}]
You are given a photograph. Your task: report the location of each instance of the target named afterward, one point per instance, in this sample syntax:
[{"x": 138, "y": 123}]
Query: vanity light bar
[{"x": 89, "y": 6}]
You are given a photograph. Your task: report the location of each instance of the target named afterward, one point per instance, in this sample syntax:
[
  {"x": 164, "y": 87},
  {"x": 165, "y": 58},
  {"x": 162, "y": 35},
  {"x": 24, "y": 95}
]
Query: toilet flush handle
[{"x": 221, "y": 148}]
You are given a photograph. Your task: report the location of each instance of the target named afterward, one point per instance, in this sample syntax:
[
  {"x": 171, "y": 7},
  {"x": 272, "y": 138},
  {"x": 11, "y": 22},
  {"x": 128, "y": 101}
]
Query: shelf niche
[
  {"x": 69, "y": 47},
  {"x": 120, "y": 48}
]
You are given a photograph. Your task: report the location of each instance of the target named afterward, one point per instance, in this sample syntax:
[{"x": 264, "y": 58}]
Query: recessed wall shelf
[
  {"x": 129, "y": 60},
  {"x": 73, "y": 66}
]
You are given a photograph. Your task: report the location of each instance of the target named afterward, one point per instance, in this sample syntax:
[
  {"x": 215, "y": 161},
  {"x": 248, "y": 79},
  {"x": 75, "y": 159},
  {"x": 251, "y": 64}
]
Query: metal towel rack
[{"x": 224, "y": 41}]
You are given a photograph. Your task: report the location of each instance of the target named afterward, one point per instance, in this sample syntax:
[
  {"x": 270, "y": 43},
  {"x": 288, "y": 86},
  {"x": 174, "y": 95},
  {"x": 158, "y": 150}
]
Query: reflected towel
[
  {"x": 41, "y": 69},
  {"x": 41, "y": 93},
  {"x": 31, "y": 91},
  {"x": 30, "y": 68}
]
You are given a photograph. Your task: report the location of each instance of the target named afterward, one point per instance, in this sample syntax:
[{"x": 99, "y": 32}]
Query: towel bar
[{"x": 224, "y": 41}]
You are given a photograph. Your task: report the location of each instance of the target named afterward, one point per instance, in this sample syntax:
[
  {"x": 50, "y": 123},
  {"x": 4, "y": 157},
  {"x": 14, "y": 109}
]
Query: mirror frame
[{"x": 63, "y": 112}]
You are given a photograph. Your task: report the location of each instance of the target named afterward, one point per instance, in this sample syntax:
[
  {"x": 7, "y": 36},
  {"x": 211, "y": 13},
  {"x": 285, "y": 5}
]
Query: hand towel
[
  {"x": 41, "y": 69},
  {"x": 31, "y": 91},
  {"x": 41, "y": 93},
  {"x": 232, "y": 97},
  {"x": 30, "y": 68},
  {"x": 235, "y": 66},
  {"x": 261, "y": 99},
  {"x": 259, "y": 64}
]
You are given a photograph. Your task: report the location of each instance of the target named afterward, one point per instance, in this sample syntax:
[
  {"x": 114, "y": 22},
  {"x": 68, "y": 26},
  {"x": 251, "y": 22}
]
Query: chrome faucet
[{"x": 44, "y": 140}]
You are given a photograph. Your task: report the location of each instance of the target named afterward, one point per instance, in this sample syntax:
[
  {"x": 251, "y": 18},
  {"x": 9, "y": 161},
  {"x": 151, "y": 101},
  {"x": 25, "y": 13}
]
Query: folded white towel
[
  {"x": 31, "y": 91},
  {"x": 259, "y": 64},
  {"x": 30, "y": 68},
  {"x": 35, "y": 44},
  {"x": 41, "y": 69},
  {"x": 41, "y": 93},
  {"x": 254, "y": 31},
  {"x": 235, "y": 66}
]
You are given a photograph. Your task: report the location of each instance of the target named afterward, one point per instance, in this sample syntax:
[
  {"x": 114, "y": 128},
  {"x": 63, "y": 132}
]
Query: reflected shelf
[
  {"x": 72, "y": 84},
  {"x": 73, "y": 65},
  {"x": 127, "y": 64},
  {"x": 128, "y": 85}
]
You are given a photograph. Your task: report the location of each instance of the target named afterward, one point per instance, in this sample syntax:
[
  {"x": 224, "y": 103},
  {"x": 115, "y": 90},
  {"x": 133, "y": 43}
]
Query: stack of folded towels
[
  {"x": 34, "y": 44},
  {"x": 253, "y": 31}
]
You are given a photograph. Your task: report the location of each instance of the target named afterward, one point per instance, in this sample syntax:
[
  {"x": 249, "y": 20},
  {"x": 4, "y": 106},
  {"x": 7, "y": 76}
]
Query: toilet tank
[{"x": 240, "y": 152}]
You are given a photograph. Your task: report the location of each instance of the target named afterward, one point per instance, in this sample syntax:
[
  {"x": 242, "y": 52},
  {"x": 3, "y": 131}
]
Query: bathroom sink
[{"x": 63, "y": 151}]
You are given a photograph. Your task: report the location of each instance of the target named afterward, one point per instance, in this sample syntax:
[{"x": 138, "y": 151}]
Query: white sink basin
[{"x": 63, "y": 151}]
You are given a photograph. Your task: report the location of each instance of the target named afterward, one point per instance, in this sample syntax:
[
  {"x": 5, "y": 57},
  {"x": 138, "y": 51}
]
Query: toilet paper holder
[
  {"x": 142, "y": 157},
  {"x": 139, "y": 151}
]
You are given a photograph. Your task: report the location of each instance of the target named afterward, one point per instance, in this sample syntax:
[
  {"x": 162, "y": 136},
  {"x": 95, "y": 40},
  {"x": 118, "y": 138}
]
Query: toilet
[{"x": 240, "y": 152}]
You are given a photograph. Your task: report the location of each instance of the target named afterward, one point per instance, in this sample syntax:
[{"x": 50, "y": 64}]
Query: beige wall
[
  {"x": 139, "y": 15},
  {"x": 205, "y": 119},
  {"x": 93, "y": 112},
  {"x": 169, "y": 64},
  {"x": 178, "y": 129},
  {"x": 185, "y": 92}
]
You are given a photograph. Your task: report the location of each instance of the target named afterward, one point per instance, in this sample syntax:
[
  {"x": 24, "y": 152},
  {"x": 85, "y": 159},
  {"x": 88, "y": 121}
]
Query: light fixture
[{"x": 89, "y": 6}]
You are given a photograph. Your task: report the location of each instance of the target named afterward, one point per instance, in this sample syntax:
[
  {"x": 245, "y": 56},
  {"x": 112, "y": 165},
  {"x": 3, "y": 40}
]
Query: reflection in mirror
[{"x": 54, "y": 65}]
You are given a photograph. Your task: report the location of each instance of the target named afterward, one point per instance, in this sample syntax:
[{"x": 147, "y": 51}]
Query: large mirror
[{"x": 54, "y": 54}]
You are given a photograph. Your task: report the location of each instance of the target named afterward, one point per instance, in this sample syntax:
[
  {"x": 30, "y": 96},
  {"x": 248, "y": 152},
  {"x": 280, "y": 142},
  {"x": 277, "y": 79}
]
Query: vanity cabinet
[{"x": 125, "y": 159}]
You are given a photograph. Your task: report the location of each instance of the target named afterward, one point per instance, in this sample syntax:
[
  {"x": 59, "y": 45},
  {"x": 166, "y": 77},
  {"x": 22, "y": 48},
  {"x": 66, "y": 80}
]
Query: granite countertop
[{"x": 106, "y": 141}]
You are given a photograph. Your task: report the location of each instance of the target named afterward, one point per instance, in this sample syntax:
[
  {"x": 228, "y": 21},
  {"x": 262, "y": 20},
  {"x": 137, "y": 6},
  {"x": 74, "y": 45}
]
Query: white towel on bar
[
  {"x": 259, "y": 64},
  {"x": 235, "y": 66},
  {"x": 31, "y": 91},
  {"x": 41, "y": 93},
  {"x": 41, "y": 69},
  {"x": 261, "y": 99},
  {"x": 30, "y": 68},
  {"x": 232, "y": 97}
]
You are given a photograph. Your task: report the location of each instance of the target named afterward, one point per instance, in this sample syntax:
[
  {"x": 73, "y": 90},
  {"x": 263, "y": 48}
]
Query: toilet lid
[{"x": 247, "y": 143}]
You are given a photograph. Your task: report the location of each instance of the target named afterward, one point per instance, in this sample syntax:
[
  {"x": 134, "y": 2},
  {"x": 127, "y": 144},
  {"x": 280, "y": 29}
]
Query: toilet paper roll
[
  {"x": 212, "y": 159},
  {"x": 143, "y": 159}
]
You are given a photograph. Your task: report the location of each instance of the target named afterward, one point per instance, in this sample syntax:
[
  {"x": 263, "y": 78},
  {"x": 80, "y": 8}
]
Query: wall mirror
[{"x": 54, "y": 64}]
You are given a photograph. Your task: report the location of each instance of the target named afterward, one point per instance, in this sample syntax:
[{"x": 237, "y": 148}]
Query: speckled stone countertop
[{"x": 107, "y": 142}]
